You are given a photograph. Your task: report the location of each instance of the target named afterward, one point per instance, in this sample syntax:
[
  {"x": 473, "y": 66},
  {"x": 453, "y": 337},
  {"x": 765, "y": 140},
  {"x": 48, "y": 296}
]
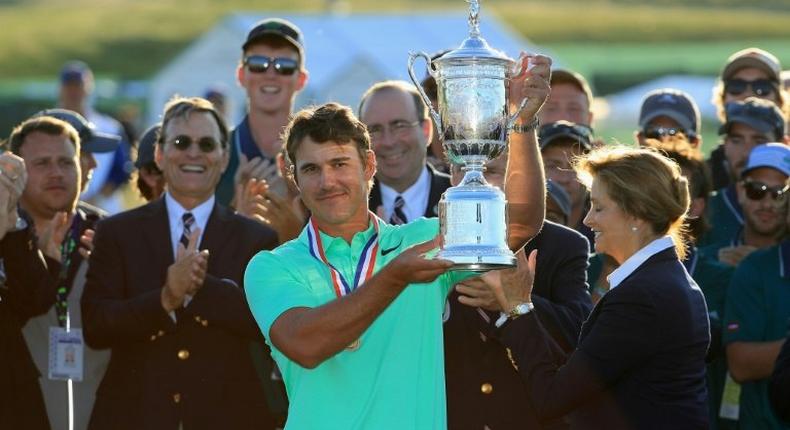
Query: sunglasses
[
  {"x": 757, "y": 190},
  {"x": 206, "y": 144},
  {"x": 659, "y": 133},
  {"x": 260, "y": 64},
  {"x": 759, "y": 87}
]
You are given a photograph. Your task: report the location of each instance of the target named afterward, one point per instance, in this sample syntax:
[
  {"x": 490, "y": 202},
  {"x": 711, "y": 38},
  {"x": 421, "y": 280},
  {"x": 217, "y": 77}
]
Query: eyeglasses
[
  {"x": 757, "y": 190},
  {"x": 206, "y": 144},
  {"x": 760, "y": 87},
  {"x": 260, "y": 64},
  {"x": 396, "y": 128},
  {"x": 662, "y": 132}
]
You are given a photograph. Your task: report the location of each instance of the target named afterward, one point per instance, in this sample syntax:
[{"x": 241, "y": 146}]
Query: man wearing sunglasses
[
  {"x": 406, "y": 187},
  {"x": 751, "y": 72},
  {"x": 758, "y": 300},
  {"x": 164, "y": 292},
  {"x": 667, "y": 113},
  {"x": 749, "y": 123},
  {"x": 272, "y": 72}
]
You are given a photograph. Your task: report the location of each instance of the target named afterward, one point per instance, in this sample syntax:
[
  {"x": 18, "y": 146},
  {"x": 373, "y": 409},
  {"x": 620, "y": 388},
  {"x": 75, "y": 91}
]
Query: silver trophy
[{"x": 473, "y": 124}]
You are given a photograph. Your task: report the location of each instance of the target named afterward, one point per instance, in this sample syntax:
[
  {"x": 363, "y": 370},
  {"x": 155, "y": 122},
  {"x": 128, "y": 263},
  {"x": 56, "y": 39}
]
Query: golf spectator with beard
[
  {"x": 406, "y": 187},
  {"x": 749, "y": 123},
  {"x": 272, "y": 72},
  {"x": 65, "y": 229},
  {"x": 758, "y": 301},
  {"x": 751, "y": 72}
]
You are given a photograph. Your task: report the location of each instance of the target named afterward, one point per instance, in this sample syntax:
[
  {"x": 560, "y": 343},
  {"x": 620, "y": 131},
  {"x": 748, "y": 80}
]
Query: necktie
[
  {"x": 188, "y": 220},
  {"x": 398, "y": 216}
]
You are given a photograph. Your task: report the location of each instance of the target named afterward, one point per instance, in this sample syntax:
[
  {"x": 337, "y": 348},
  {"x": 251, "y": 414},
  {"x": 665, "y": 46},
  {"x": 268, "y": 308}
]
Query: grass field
[{"x": 131, "y": 39}]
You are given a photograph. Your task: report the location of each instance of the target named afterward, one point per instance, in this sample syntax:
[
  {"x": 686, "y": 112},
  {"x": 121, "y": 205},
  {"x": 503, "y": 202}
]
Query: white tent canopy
[{"x": 345, "y": 54}]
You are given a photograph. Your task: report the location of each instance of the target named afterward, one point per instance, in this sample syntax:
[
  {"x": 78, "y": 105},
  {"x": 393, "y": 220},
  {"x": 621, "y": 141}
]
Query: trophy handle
[
  {"x": 516, "y": 70},
  {"x": 435, "y": 115}
]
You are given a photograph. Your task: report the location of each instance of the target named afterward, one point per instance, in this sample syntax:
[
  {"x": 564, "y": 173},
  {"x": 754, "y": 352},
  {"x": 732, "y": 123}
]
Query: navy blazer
[
  {"x": 640, "y": 361},
  {"x": 473, "y": 358},
  {"x": 439, "y": 183},
  {"x": 197, "y": 370}
]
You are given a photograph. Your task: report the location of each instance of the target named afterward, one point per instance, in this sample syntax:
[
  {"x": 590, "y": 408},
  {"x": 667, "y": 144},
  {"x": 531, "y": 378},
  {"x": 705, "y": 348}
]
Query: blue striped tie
[
  {"x": 188, "y": 220},
  {"x": 398, "y": 216}
]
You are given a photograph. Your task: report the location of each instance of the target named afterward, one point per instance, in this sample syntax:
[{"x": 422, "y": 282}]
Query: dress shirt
[{"x": 633, "y": 262}]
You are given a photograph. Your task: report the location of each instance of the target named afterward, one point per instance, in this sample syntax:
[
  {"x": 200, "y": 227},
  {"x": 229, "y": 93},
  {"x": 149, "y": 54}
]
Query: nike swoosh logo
[{"x": 388, "y": 250}]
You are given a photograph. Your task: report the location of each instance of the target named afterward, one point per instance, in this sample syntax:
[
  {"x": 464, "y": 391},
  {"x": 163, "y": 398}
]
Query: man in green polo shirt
[
  {"x": 757, "y": 310},
  {"x": 352, "y": 307}
]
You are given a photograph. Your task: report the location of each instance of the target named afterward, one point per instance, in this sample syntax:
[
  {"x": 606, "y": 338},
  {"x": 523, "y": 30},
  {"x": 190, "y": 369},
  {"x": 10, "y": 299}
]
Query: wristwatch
[
  {"x": 521, "y": 128},
  {"x": 520, "y": 309}
]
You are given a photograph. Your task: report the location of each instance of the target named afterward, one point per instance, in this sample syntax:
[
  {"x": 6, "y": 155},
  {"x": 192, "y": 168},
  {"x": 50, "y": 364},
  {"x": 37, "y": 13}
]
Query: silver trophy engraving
[{"x": 473, "y": 124}]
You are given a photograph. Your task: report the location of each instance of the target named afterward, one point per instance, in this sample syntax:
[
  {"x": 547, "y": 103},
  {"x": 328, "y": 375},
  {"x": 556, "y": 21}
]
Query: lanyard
[
  {"x": 67, "y": 253},
  {"x": 365, "y": 266}
]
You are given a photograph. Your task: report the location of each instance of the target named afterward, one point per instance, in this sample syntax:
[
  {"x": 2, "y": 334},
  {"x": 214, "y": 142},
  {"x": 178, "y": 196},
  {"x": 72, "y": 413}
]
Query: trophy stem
[{"x": 474, "y": 176}]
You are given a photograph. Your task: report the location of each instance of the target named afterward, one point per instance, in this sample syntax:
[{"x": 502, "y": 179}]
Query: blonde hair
[{"x": 644, "y": 184}]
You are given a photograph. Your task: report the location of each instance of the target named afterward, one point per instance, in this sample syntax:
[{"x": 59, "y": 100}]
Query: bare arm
[
  {"x": 309, "y": 336},
  {"x": 751, "y": 361},
  {"x": 525, "y": 187}
]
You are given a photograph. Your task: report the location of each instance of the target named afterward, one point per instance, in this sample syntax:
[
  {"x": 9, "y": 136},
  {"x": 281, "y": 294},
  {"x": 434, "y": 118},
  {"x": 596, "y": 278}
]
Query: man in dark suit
[
  {"x": 484, "y": 389},
  {"x": 406, "y": 187},
  {"x": 175, "y": 317}
]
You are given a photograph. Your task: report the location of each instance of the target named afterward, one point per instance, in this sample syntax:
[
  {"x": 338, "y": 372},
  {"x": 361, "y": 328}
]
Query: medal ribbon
[{"x": 367, "y": 261}]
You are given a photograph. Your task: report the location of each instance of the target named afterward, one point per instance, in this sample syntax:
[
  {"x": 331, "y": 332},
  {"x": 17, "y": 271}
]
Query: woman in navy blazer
[{"x": 640, "y": 359}]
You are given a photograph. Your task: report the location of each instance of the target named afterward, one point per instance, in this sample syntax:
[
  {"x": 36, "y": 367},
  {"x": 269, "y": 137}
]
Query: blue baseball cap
[
  {"x": 90, "y": 140},
  {"x": 773, "y": 155}
]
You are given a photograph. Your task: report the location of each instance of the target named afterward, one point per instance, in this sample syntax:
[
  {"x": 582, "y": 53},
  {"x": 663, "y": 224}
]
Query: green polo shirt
[
  {"x": 395, "y": 380},
  {"x": 757, "y": 309}
]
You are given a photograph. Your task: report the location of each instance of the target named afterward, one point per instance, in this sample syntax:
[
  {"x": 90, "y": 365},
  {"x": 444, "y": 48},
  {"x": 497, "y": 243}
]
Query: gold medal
[{"x": 353, "y": 346}]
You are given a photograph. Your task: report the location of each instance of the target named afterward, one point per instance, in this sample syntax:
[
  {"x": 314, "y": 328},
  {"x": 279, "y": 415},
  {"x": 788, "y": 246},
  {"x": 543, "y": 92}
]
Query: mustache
[{"x": 326, "y": 192}]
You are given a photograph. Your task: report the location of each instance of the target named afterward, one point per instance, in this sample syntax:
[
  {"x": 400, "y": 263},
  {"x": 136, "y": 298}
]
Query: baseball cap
[
  {"x": 553, "y": 131},
  {"x": 759, "y": 114},
  {"x": 564, "y": 76},
  {"x": 560, "y": 197},
  {"x": 276, "y": 27},
  {"x": 145, "y": 150},
  {"x": 774, "y": 155},
  {"x": 674, "y": 104},
  {"x": 753, "y": 57},
  {"x": 75, "y": 71},
  {"x": 90, "y": 139}
]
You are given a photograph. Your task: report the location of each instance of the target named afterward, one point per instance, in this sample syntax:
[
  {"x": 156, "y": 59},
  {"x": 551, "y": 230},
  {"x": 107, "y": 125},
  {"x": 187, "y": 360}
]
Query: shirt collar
[
  {"x": 415, "y": 195},
  {"x": 633, "y": 262},
  {"x": 175, "y": 211},
  {"x": 332, "y": 243}
]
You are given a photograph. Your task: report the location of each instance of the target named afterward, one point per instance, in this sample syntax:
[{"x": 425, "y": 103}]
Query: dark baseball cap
[
  {"x": 674, "y": 104},
  {"x": 276, "y": 27},
  {"x": 91, "y": 140},
  {"x": 145, "y": 149},
  {"x": 75, "y": 71},
  {"x": 753, "y": 57},
  {"x": 758, "y": 114},
  {"x": 566, "y": 130}
]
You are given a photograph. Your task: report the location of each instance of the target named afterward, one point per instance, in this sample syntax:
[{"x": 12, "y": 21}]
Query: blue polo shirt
[
  {"x": 758, "y": 310},
  {"x": 395, "y": 379}
]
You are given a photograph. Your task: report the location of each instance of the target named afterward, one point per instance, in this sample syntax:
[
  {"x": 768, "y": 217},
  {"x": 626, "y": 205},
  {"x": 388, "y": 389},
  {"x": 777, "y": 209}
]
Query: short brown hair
[
  {"x": 419, "y": 105},
  {"x": 42, "y": 124},
  {"x": 328, "y": 122},
  {"x": 182, "y": 107},
  {"x": 644, "y": 184}
]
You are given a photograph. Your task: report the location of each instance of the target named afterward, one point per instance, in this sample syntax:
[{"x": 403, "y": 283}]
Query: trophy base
[{"x": 473, "y": 260}]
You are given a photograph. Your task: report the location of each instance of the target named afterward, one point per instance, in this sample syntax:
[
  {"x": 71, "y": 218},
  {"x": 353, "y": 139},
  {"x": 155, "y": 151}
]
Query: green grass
[{"x": 131, "y": 39}]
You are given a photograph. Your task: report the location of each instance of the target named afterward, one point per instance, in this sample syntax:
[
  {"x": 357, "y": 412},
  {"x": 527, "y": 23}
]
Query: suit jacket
[
  {"x": 196, "y": 371},
  {"x": 439, "y": 182},
  {"x": 473, "y": 358},
  {"x": 28, "y": 290},
  {"x": 640, "y": 361}
]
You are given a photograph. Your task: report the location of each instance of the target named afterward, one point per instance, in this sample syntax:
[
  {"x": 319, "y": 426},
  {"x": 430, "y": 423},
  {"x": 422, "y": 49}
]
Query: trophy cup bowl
[{"x": 473, "y": 124}]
